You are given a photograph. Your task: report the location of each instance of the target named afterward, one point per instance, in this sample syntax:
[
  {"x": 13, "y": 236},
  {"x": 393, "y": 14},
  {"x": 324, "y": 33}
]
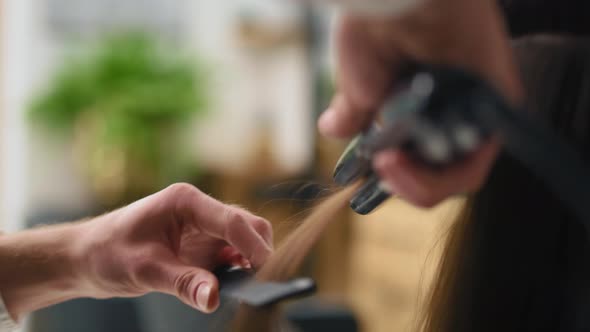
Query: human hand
[
  {"x": 169, "y": 242},
  {"x": 466, "y": 34}
]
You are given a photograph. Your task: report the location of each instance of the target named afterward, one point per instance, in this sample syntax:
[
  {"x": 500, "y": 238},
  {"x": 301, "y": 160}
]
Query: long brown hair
[
  {"x": 287, "y": 260},
  {"x": 516, "y": 260}
]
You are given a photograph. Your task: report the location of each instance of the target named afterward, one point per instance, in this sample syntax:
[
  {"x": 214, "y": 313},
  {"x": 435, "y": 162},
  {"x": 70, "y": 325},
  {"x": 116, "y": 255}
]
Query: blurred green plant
[{"x": 126, "y": 103}]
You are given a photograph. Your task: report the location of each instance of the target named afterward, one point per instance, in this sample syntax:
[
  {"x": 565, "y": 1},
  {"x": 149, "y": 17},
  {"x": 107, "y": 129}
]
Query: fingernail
[
  {"x": 245, "y": 264},
  {"x": 203, "y": 296}
]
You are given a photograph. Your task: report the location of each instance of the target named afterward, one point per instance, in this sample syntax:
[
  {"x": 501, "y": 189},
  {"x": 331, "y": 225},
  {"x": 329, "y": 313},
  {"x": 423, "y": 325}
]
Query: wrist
[
  {"x": 74, "y": 276},
  {"x": 44, "y": 267},
  {"x": 97, "y": 257}
]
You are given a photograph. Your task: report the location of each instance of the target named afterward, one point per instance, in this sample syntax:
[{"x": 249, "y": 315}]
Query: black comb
[{"x": 241, "y": 285}]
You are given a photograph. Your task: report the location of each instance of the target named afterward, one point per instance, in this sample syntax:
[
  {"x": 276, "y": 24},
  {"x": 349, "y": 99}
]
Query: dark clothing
[{"x": 547, "y": 16}]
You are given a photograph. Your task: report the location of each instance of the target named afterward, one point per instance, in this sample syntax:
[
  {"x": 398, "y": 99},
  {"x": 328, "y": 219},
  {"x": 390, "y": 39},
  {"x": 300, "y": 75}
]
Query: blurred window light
[{"x": 90, "y": 17}]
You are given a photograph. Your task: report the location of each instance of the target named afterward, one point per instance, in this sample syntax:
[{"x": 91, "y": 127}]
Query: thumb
[{"x": 194, "y": 286}]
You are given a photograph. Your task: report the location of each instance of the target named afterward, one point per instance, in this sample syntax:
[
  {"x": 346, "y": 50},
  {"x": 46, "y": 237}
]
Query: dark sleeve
[{"x": 547, "y": 16}]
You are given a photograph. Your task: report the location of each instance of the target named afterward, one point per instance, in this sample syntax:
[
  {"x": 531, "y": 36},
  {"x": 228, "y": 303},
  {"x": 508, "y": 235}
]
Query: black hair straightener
[{"x": 439, "y": 115}]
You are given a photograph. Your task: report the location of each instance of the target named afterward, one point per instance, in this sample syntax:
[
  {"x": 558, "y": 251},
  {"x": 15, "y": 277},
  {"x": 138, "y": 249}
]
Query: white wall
[
  {"x": 251, "y": 86},
  {"x": 18, "y": 56},
  {"x": 37, "y": 174}
]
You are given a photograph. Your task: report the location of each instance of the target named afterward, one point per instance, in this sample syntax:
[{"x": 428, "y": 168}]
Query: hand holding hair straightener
[
  {"x": 440, "y": 115},
  {"x": 371, "y": 51}
]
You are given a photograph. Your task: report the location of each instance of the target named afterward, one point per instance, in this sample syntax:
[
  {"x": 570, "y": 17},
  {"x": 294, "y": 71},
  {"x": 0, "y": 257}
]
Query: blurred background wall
[
  {"x": 252, "y": 90},
  {"x": 73, "y": 145}
]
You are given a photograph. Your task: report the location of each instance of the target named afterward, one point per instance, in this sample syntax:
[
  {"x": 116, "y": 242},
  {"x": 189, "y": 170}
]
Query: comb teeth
[{"x": 241, "y": 285}]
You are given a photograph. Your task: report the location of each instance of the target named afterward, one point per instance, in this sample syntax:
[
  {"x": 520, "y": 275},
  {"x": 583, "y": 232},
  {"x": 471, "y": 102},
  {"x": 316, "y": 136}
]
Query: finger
[
  {"x": 425, "y": 187},
  {"x": 238, "y": 228},
  {"x": 232, "y": 257},
  {"x": 467, "y": 175},
  {"x": 261, "y": 225},
  {"x": 394, "y": 172},
  {"x": 404, "y": 188},
  {"x": 365, "y": 69},
  {"x": 249, "y": 234},
  {"x": 194, "y": 286},
  {"x": 264, "y": 228},
  {"x": 341, "y": 120},
  {"x": 365, "y": 77},
  {"x": 227, "y": 254}
]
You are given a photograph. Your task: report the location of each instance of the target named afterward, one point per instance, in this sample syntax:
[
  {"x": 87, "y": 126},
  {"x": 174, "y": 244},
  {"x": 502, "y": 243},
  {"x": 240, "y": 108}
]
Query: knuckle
[
  {"x": 182, "y": 196},
  {"x": 234, "y": 219},
  {"x": 262, "y": 226},
  {"x": 235, "y": 223},
  {"x": 182, "y": 189}
]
